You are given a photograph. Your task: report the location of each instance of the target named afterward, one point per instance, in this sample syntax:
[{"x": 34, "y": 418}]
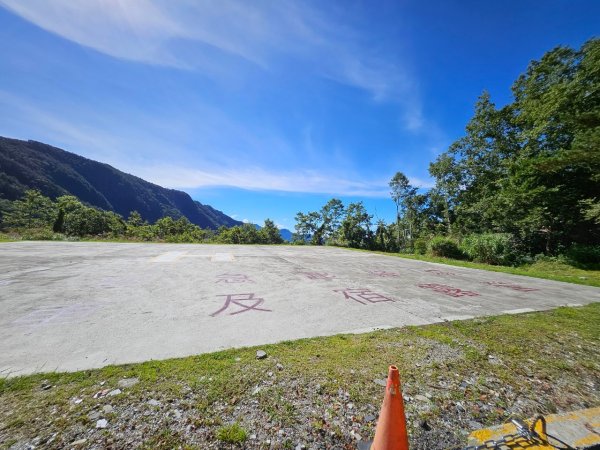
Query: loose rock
[
  {"x": 128, "y": 382},
  {"x": 422, "y": 398},
  {"x": 101, "y": 393},
  {"x": 260, "y": 354},
  {"x": 102, "y": 423}
]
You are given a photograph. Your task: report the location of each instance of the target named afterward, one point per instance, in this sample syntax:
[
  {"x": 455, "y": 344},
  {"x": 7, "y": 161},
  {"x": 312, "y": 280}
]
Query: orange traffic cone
[{"x": 391, "y": 431}]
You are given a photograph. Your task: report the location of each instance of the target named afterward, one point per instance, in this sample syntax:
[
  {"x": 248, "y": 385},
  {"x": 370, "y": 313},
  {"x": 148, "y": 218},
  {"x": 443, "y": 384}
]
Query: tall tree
[
  {"x": 269, "y": 233},
  {"x": 331, "y": 216},
  {"x": 356, "y": 226},
  {"x": 531, "y": 168},
  {"x": 403, "y": 195}
]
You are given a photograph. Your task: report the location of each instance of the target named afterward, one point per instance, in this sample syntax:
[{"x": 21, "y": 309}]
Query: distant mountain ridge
[
  {"x": 285, "y": 234},
  {"x": 33, "y": 165}
]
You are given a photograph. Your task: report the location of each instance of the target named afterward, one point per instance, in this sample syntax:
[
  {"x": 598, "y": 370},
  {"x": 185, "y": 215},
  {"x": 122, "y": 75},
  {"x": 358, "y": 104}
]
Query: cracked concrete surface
[{"x": 68, "y": 306}]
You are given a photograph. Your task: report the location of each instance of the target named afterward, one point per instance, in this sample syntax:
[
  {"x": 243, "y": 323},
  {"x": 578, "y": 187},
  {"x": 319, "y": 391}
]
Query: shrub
[
  {"x": 491, "y": 248},
  {"x": 41, "y": 234},
  {"x": 232, "y": 434},
  {"x": 583, "y": 254},
  {"x": 420, "y": 246},
  {"x": 444, "y": 247}
]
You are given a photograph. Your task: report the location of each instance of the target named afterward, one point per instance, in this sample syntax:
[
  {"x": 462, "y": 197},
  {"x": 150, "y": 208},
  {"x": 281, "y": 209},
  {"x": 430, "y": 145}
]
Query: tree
[
  {"x": 331, "y": 216},
  {"x": 32, "y": 211},
  {"x": 447, "y": 186},
  {"x": 270, "y": 234},
  {"x": 403, "y": 196},
  {"x": 356, "y": 226},
  {"x": 531, "y": 168},
  {"x": 135, "y": 220},
  {"x": 306, "y": 227}
]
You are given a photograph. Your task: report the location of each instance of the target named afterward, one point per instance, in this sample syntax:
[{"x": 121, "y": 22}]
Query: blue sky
[{"x": 266, "y": 108}]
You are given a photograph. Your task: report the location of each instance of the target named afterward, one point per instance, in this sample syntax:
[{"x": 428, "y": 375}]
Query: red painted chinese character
[
  {"x": 384, "y": 274},
  {"x": 514, "y": 287},
  {"x": 244, "y": 301},
  {"x": 233, "y": 278},
  {"x": 448, "y": 290},
  {"x": 317, "y": 275},
  {"x": 358, "y": 295},
  {"x": 439, "y": 272}
]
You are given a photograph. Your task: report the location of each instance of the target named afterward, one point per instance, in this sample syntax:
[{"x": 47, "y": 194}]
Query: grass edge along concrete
[{"x": 472, "y": 372}]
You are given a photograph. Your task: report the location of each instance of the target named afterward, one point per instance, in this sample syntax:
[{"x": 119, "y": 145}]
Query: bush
[
  {"x": 491, "y": 248},
  {"x": 41, "y": 234},
  {"x": 420, "y": 246},
  {"x": 444, "y": 247},
  {"x": 583, "y": 254},
  {"x": 233, "y": 434}
]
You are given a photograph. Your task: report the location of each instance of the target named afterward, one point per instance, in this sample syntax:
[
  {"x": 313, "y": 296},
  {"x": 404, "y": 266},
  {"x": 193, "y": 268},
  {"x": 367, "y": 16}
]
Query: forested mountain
[{"x": 54, "y": 172}]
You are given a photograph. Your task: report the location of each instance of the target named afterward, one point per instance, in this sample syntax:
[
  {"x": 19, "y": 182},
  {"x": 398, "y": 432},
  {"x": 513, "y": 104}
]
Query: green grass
[
  {"x": 233, "y": 434},
  {"x": 550, "y": 270},
  {"x": 4, "y": 237},
  {"x": 550, "y": 358}
]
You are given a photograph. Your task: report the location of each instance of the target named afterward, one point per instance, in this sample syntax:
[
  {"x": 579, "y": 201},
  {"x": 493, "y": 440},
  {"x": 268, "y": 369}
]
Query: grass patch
[
  {"x": 482, "y": 370},
  {"x": 232, "y": 434},
  {"x": 4, "y": 237}
]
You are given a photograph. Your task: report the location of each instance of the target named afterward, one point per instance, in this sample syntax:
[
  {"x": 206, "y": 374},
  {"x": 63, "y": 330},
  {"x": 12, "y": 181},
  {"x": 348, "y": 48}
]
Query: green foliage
[
  {"x": 38, "y": 217},
  {"x": 269, "y": 233},
  {"x": 583, "y": 254},
  {"x": 405, "y": 197},
  {"x": 531, "y": 168},
  {"x": 32, "y": 211},
  {"x": 590, "y": 208},
  {"x": 233, "y": 434},
  {"x": 73, "y": 218},
  {"x": 355, "y": 228},
  {"x": 491, "y": 248},
  {"x": 385, "y": 237},
  {"x": 40, "y": 234},
  {"x": 444, "y": 247},
  {"x": 420, "y": 246},
  {"x": 320, "y": 227}
]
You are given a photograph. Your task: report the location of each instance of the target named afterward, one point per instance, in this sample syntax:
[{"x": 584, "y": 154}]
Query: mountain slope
[{"x": 55, "y": 172}]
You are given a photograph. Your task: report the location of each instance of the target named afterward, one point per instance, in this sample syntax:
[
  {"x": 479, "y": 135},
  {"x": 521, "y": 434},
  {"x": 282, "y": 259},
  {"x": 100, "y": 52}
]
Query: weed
[{"x": 233, "y": 434}]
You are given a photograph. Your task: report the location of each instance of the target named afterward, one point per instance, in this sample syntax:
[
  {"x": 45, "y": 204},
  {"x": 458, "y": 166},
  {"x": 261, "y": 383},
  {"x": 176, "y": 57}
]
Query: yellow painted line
[{"x": 580, "y": 428}]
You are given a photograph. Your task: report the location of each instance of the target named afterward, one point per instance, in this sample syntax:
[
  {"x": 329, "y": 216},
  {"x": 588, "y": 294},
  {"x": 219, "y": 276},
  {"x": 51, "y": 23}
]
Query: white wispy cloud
[
  {"x": 140, "y": 150},
  {"x": 257, "y": 178},
  {"x": 216, "y": 37}
]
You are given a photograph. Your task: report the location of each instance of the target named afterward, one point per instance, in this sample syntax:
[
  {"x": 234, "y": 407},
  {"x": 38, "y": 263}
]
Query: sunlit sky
[{"x": 266, "y": 108}]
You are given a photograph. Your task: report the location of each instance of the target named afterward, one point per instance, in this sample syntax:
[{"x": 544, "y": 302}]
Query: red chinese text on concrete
[
  {"x": 440, "y": 272},
  {"x": 384, "y": 274},
  {"x": 448, "y": 290},
  {"x": 514, "y": 287},
  {"x": 364, "y": 296},
  {"x": 246, "y": 302},
  {"x": 233, "y": 278},
  {"x": 317, "y": 275}
]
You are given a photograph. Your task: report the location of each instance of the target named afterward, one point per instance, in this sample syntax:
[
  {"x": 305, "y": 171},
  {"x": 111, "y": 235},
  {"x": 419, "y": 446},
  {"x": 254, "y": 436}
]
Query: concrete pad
[
  {"x": 71, "y": 305},
  {"x": 579, "y": 429}
]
